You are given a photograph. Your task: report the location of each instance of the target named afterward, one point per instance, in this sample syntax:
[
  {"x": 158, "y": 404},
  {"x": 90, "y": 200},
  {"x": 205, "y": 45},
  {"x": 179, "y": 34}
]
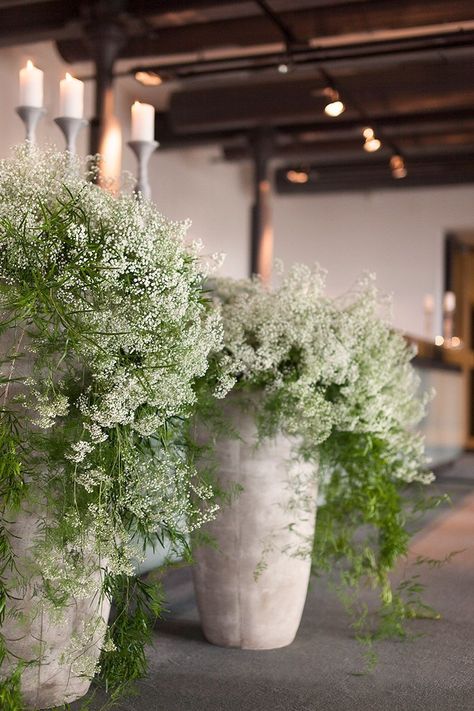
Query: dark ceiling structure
[{"x": 245, "y": 69}]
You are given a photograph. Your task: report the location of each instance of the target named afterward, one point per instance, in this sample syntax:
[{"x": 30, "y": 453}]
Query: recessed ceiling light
[
  {"x": 297, "y": 176},
  {"x": 398, "y": 167},
  {"x": 148, "y": 78}
]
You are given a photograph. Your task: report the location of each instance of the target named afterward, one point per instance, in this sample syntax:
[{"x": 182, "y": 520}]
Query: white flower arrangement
[
  {"x": 107, "y": 328},
  {"x": 334, "y": 375},
  {"x": 320, "y": 365}
]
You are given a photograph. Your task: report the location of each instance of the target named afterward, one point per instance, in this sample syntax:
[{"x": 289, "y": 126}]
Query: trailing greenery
[
  {"x": 104, "y": 327},
  {"x": 334, "y": 376},
  {"x": 363, "y": 529}
]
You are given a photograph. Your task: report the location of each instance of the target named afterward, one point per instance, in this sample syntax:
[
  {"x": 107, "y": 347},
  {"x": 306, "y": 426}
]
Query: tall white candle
[
  {"x": 143, "y": 122},
  {"x": 31, "y": 85},
  {"x": 71, "y": 97}
]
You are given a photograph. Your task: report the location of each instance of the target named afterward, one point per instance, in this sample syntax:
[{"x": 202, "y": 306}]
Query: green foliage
[
  {"x": 10, "y": 692},
  {"x": 137, "y": 605},
  {"x": 363, "y": 529}
]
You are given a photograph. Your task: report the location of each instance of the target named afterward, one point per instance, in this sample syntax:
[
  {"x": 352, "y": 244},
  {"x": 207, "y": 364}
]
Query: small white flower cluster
[
  {"x": 322, "y": 365},
  {"x": 81, "y": 652},
  {"x": 47, "y": 409}
]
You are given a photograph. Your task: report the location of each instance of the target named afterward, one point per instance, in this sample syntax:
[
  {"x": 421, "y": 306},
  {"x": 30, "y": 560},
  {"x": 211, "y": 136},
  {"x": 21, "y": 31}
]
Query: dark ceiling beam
[
  {"x": 360, "y": 56},
  {"x": 397, "y": 125},
  {"x": 350, "y": 149},
  {"x": 358, "y": 176},
  {"x": 34, "y": 22},
  {"x": 338, "y": 152},
  {"x": 307, "y": 24},
  {"x": 386, "y": 91}
]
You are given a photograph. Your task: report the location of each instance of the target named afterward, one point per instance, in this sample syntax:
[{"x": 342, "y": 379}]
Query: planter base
[
  {"x": 251, "y": 589},
  {"x": 59, "y": 651}
]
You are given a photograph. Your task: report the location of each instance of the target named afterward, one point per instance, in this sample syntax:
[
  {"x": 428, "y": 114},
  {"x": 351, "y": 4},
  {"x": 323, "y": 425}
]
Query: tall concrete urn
[
  {"x": 251, "y": 587},
  {"x": 59, "y": 653}
]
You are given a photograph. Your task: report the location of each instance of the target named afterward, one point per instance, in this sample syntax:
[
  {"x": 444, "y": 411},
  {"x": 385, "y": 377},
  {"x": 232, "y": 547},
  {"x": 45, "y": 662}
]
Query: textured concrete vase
[
  {"x": 251, "y": 589},
  {"x": 59, "y": 650}
]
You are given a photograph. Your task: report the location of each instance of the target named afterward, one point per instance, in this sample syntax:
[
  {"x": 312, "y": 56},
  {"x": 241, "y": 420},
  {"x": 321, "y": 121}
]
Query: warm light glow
[
  {"x": 334, "y": 108},
  {"x": 439, "y": 340},
  {"x": 449, "y": 302},
  {"x": 148, "y": 78},
  {"x": 265, "y": 257},
  {"x": 455, "y": 342},
  {"x": 371, "y": 145},
  {"x": 398, "y": 167},
  {"x": 428, "y": 303},
  {"x": 29, "y": 64},
  {"x": 283, "y": 68},
  {"x": 111, "y": 155},
  {"x": 297, "y": 176},
  {"x": 68, "y": 76}
]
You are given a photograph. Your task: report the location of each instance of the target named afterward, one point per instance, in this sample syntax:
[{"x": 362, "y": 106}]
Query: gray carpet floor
[{"x": 320, "y": 671}]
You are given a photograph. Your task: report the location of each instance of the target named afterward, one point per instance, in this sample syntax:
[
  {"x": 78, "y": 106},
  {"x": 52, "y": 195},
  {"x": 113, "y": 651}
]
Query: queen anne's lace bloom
[
  {"x": 118, "y": 329},
  {"x": 320, "y": 365}
]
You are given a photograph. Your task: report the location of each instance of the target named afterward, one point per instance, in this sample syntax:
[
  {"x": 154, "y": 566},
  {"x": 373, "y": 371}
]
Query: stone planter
[
  {"x": 59, "y": 650},
  {"x": 251, "y": 589}
]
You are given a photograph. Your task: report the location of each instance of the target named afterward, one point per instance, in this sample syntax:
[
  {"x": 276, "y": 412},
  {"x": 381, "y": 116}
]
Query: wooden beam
[
  {"x": 442, "y": 121},
  {"x": 313, "y": 23},
  {"x": 452, "y": 45},
  {"x": 385, "y": 91},
  {"x": 358, "y": 175}
]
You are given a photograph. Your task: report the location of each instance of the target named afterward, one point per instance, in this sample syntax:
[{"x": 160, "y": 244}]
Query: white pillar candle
[
  {"x": 31, "y": 85},
  {"x": 71, "y": 97},
  {"x": 143, "y": 122},
  {"x": 449, "y": 302}
]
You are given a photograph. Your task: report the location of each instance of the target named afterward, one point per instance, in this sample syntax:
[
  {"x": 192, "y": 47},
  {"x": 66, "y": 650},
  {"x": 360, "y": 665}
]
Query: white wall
[{"x": 398, "y": 235}]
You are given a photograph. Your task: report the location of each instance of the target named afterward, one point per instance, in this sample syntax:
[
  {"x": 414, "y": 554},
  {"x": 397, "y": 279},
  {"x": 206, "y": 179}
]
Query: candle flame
[
  {"x": 136, "y": 103},
  {"x": 68, "y": 76},
  {"x": 29, "y": 64}
]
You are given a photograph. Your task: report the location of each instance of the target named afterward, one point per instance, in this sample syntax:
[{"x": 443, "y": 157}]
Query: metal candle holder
[
  {"x": 143, "y": 151},
  {"x": 70, "y": 128},
  {"x": 30, "y": 115}
]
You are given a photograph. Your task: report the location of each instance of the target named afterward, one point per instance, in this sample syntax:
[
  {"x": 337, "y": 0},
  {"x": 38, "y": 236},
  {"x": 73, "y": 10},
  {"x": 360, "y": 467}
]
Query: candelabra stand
[
  {"x": 143, "y": 151},
  {"x": 70, "y": 128},
  {"x": 30, "y": 115}
]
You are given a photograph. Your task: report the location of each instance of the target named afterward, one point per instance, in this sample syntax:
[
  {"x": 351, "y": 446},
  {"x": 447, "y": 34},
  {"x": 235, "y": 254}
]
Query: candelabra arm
[
  {"x": 143, "y": 151},
  {"x": 30, "y": 115},
  {"x": 70, "y": 128}
]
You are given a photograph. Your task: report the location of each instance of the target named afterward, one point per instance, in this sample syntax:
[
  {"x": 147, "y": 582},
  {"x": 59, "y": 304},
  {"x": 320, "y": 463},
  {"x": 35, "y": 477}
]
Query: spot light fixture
[
  {"x": 398, "y": 167},
  {"x": 299, "y": 177},
  {"x": 335, "y": 107},
  {"x": 148, "y": 77},
  {"x": 371, "y": 143}
]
